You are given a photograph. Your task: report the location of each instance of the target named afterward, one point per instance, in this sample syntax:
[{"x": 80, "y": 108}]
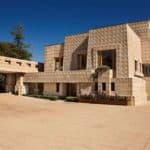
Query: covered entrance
[
  {"x": 7, "y": 82},
  {"x": 2, "y": 83},
  {"x": 71, "y": 89}
]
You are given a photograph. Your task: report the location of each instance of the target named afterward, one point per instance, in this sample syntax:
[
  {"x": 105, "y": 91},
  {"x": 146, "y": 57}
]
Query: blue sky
[{"x": 48, "y": 21}]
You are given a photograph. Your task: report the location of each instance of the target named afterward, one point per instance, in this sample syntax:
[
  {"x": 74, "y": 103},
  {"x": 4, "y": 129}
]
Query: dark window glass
[
  {"x": 82, "y": 61},
  {"x": 146, "y": 70},
  {"x": 112, "y": 86},
  {"x": 57, "y": 87},
  {"x": 96, "y": 86},
  {"x": 103, "y": 86},
  {"x": 136, "y": 65}
]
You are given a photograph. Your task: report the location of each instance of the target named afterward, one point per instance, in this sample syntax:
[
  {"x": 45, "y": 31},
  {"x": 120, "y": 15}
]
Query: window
[
  {"x": 29, "y": 64},
  {"x": 103, "y": 86},
  {"x": 146, "y": 70},
  {"x": 57, "y": 87},
  {"x": 112, "y": 86},
  {"x": 136, "y": 65},
  {"x": 8, "y": 61},
  {"x": 19, "y": 63},
  {"x": 107, "y": 58},
  {"x": 58, "y": 63},
  {"x": 82, "y": 61}
]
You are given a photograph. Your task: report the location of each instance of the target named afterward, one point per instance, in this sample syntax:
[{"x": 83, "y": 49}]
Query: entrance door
[{"x": 71, "y": 89}]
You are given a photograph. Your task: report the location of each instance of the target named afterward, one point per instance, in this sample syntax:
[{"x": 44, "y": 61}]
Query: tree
[
  {"x": 11, "y": 50},
  {"x": 18, "y": 34},
  {"x": 18, "y": 48}
]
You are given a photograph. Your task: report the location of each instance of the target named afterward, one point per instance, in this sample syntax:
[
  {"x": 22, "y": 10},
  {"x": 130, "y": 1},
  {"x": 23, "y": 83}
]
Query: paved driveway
[{"x": 33, "y": 124}]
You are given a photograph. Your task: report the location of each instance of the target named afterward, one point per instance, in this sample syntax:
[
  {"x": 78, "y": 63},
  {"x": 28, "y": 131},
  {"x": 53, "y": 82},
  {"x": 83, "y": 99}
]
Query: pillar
[{"x": 20, "y": 87}]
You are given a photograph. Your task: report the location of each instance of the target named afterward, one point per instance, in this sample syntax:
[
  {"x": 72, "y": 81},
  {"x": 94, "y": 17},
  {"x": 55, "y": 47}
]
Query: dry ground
[{"x": 33, "y": 124}]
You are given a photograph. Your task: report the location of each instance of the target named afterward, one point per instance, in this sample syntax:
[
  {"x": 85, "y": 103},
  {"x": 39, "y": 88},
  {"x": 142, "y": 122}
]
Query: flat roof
[{"x": 98, "y": 27}]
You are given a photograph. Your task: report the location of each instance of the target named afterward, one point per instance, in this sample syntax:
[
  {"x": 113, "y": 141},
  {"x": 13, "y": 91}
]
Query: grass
[{"x": 71, "y": 99}]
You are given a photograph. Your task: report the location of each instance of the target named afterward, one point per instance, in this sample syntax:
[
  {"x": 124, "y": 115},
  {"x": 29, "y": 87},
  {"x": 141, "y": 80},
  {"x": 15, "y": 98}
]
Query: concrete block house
[{"x": 114, "y": 60}]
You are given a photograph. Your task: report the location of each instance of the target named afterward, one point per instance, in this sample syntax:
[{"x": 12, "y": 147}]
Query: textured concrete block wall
[
  {"x": 52, "y": 52},
  {"x": 10, "y": 82},
  {"x": 142, "y": 29},
  {"x": 123, "y": 86},
  {"x": 134, "y": 51},
  {"x": 85, "y": 88},
  {"x": 8, "y": 64},
  {"x": 130, "y": 41},
  {"x": 139, "y": 91},
  {"x": 50, "y": 89},
  {"x": 74, "y": 44},
  {"x": 147, "y": 80},
  {"x": 109, "y": 38}
]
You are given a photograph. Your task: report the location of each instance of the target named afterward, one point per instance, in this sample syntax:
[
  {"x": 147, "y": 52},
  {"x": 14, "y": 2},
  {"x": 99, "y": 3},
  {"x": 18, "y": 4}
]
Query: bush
[
  {"x": 54, "y": 98},
  {"x": 62, "y": 97},
  {"x": 71, "y": 99}
]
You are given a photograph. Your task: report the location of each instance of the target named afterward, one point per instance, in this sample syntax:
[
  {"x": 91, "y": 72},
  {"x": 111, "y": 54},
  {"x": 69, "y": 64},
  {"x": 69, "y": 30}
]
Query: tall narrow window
[
  {"x": 82, "y": 61},
  {"x": 57, "y": 87},
  {"x": 103, "y": 86},
  {"x": 136, "y": 65},
  {"x": 112, "y": 86}
]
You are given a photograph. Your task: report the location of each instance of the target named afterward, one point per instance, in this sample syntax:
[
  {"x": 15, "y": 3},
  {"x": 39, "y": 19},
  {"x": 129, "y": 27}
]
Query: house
[{"x": 114, "y": 60}]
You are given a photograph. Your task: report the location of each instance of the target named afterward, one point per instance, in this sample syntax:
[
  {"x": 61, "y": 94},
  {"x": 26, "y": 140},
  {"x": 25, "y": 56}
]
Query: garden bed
[
  {"x": 100, "y": 99},
  {"x": 111, "y": 100}
]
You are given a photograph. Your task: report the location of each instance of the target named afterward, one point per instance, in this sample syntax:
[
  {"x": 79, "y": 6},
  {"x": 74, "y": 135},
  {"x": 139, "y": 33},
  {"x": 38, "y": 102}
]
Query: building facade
[{"x": 114, "y": 60}]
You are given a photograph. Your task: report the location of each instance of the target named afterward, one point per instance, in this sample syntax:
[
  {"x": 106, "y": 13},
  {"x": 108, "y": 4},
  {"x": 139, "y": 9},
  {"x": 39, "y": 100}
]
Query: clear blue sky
[{"x": 48, "y": 21}]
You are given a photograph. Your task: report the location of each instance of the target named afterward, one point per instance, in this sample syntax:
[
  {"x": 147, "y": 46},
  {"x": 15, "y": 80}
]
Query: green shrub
[
  {"x": 62, "y": 97},
  {"x": 53, "y": 98},
  {"x": 71, "y": 99},
  {"x": 44, "y": 97}
]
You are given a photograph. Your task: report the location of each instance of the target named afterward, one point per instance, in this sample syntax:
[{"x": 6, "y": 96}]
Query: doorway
[
  {"x": 71, "y": 89},
  {"x": 2, "y": 83}
]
